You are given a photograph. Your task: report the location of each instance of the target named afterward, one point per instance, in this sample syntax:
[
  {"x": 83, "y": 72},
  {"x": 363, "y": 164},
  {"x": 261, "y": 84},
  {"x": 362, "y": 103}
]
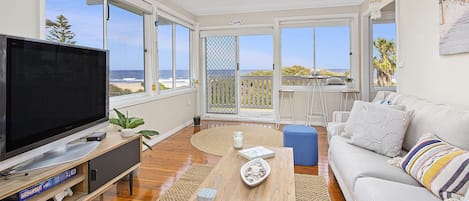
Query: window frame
[
  {"x": 352, "y": 18},
  {"x": 174, "y": 55},
  {"x": 386, "y": 18},
  {"x": 150, "y": 11},
  {"x": 136, "y": 11}
]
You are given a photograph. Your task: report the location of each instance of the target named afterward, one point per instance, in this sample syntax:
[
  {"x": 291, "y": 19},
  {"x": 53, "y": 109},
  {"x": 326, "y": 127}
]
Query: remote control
[{"x": 96, "y": 136}]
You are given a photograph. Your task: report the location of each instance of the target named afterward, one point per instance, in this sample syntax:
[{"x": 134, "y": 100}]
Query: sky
[{"x": 125, "y": 40}]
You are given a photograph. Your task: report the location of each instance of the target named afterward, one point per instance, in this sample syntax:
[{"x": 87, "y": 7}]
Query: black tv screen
[{"x": 52, "y": 91}]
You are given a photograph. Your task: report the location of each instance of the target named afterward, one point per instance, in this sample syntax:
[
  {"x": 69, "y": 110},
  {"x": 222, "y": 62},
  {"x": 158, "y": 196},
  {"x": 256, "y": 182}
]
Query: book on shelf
[
  {"x": 40, "y": 187},
  {"x": 256, "y": 152}
]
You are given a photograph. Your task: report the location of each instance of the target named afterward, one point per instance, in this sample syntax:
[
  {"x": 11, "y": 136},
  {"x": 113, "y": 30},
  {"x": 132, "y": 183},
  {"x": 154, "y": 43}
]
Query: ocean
[{"x": 138, "y": 75}]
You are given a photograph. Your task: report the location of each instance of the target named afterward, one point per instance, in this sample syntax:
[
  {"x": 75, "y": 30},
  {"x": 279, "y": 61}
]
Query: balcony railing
[{"x": 255, "y": 92}]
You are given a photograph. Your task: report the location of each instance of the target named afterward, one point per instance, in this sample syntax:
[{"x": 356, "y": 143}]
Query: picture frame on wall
[{"x": 454, "y": 26}]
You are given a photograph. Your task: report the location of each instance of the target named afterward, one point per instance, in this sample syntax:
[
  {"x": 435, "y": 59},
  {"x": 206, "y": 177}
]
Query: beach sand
[
  {"x": 125, "y": 85},
  {"x": 135, "y": 86}
]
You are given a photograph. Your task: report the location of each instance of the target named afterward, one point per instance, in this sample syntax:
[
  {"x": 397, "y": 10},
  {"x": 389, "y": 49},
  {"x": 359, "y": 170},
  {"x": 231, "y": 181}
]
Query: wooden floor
[{"x": 172, "y": 157}]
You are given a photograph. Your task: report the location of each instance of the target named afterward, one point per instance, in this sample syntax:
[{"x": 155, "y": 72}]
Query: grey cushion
[
  {"x": 448, "y": 123},
  {"x": 354, "y": 162},
  {"x": 374, "y": 189}
]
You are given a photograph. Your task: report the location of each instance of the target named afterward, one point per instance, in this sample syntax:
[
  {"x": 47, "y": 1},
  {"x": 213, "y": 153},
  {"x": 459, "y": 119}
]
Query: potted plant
[
  {"x": 196, "y": 120},
  {"x": 129, "y": 123},
  {"x": 349, "y": 83}
]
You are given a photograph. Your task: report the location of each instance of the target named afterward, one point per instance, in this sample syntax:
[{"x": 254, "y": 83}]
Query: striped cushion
[{"x": 440, "y": 167}]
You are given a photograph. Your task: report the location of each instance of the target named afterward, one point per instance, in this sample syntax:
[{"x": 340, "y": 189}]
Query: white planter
[
  {"x": 349, "y": 85},
  {"x": 127, "y": 132}
]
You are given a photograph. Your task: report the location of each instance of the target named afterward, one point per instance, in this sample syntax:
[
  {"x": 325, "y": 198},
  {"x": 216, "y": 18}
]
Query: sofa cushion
[
  {"x": 380, "y": 129},
  {"x": 354, "y": 162},
  {"x": 375, "y": 189},
  {"x": 448, "y": 123},
  {"x": 440, "y": 167},
  {"x": 355, "y": 116}
]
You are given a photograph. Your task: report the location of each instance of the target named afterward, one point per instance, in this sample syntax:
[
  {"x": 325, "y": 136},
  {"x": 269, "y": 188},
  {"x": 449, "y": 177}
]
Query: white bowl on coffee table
[{"x": 255, "y": 172}]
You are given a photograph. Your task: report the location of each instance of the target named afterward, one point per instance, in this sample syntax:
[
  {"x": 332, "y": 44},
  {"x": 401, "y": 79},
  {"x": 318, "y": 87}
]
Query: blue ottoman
[{"x": 304, "y": 141}]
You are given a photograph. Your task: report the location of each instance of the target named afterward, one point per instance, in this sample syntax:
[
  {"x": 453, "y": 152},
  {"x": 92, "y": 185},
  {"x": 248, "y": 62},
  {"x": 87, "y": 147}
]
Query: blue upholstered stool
[{"x": 304, "y": 141}]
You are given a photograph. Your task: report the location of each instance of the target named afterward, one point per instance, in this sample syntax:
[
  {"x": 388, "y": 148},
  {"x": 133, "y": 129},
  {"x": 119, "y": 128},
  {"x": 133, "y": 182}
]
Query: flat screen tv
[{"x": 48, "y": 91}]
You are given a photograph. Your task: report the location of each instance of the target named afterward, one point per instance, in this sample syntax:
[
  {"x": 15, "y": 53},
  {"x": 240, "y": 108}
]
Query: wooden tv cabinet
[{"x": 115, "y": 158}]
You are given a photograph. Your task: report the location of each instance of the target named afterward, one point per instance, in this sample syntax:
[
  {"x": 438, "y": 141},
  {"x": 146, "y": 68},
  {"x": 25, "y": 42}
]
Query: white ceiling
[{"x": 209, "y": 7}]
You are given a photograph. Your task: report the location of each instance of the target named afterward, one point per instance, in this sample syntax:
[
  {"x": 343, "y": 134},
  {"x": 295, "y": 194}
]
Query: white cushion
[
  {"x": 448, "y": 123},
  {"x": 354, "y": 162},
  {"x": 379, "y": 129},
  {"x": 355, "y": 118},
  {"x": 375, "y": 189}
]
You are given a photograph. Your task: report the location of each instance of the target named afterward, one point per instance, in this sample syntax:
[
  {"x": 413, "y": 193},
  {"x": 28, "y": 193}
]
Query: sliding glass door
[{"x": 239, "y": 74}]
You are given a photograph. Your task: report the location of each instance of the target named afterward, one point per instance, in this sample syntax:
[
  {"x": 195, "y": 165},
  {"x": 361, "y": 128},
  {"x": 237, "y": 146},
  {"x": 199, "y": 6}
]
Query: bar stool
[
  {"x": 353, "y": 93},
  {"x": 289, "y": 93},
  {"x": 317, "y": 87}
]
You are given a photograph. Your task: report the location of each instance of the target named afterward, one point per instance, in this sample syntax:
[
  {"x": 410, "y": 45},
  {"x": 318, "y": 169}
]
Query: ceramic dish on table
[{"x": 255, "y": 172}]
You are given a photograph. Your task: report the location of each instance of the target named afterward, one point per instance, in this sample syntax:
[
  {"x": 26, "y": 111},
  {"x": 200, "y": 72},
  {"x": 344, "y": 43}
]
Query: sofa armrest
[
  {"x": 340, "y": 116},
  {"x": 334, "y": 128}
]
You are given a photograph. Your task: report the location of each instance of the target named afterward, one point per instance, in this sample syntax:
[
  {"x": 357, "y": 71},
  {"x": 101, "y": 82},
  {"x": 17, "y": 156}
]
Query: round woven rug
[{"x": 219, "y": 140}]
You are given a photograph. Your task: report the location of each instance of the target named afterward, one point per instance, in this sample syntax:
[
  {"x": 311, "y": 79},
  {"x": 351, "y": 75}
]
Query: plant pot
[
  {"x": 349, "y": 85},
  {"x": 196, "y": 121},
  {"x": 127, "y": 132}
]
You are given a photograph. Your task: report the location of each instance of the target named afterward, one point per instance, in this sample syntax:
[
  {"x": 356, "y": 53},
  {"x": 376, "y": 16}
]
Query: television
[{"x": 48, "y": 91}]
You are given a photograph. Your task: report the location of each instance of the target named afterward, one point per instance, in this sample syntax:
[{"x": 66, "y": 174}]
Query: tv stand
[
  {"x": 67, "y": 153},
  {"x": 114, "y": 158}
]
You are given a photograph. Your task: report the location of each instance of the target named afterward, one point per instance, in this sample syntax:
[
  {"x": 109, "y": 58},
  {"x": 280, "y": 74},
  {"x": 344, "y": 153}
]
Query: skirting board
[
  {"x": 262, "y": 120},
  {"x": 165, "y": 135}
]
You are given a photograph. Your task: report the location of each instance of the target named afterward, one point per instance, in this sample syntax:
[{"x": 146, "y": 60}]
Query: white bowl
[{"x": 258, "y": 167}]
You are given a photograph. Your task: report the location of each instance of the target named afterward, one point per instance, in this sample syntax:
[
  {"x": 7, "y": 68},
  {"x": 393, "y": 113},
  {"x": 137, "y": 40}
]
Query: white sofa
[{"x": 364, "y": 175}]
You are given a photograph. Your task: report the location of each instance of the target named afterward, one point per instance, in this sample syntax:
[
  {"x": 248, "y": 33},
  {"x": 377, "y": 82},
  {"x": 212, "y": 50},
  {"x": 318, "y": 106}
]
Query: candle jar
[{"x": 238, "y": 139}]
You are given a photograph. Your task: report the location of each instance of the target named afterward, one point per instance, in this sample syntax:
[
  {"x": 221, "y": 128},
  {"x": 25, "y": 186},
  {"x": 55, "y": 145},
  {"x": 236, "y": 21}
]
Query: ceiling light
[{"x": 375, "y": 9}]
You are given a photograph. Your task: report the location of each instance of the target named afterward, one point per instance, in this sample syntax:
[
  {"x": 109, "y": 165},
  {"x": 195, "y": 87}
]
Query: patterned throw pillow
[
  {"x": 380, "y": 129},
  {"x": 355, "y": 115},
  {"x": 439, "y": 166}
]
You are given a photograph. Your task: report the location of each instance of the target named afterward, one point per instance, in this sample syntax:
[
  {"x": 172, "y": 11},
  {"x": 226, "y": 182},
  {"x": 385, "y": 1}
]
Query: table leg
[{"x": 131, "y": 183}]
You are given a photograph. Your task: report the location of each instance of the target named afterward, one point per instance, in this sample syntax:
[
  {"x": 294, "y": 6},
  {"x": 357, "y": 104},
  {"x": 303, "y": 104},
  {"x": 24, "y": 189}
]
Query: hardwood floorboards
[{"x": 172, "y": 157}]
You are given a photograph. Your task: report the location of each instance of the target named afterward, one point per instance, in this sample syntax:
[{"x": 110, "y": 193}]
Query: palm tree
[{"x": 385, "y": 65}]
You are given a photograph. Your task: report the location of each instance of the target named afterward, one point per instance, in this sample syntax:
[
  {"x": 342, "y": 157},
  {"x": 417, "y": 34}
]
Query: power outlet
[{"x": 189, "y": 102}]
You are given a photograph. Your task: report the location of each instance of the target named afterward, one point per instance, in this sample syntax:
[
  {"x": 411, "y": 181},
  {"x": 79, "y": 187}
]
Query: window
[
  {"x": 321, "y": 49},
  {"x": 383, "y": 60},
  {"x": 173, "y": 55},
  {"x": 126, "y": 48},
  {"x": 82, "y": 24},
  {"x": 182, "y": 56}
]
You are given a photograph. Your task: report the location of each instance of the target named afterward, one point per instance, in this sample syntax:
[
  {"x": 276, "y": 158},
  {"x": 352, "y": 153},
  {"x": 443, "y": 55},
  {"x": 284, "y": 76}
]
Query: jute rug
[
  {"x": 218, "y": 140},
  {"x": 308, "y": 187}
]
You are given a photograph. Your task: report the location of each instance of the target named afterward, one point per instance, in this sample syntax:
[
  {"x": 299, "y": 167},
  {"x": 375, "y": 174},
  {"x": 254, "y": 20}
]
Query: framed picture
[{"x": 454, "y": 26}]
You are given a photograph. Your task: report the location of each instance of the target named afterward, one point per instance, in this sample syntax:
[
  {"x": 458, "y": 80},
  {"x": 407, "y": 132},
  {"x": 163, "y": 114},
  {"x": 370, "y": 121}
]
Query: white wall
[
  {"x": 165, "y": 114},
  {"x": 20, "y": 18},
  {"x": 441, "y": 79}
]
